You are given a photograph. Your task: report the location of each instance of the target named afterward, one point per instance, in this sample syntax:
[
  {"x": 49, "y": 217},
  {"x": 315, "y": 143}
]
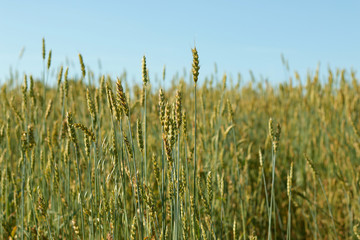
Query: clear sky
[{"x": 237, "y": 35}]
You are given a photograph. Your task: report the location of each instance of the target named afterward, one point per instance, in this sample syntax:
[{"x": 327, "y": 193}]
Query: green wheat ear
[
  {"x": 140, "y": 138},
  {"x": 163, "y": 73},
  {"x": 87, "y": 131},
  {"x": 156, "y": 168},
  {"x": 133, "y": 228},
  {"x": 59, "y": 77},
  {"x": 114, "y": 106},
  {"x": 121, "y": 98},
  {"x": 271, "y": 129},
  {"x": 162, "y": 107},
  {"x": 48, "y": 109},
  {"x": 184, "y": 125},
  {"x": 43, "y": 49},
  {"x": 178, "y": 113},
  {"x": 31, "y": 138},
  {"x": 311, "y": 164},
  {"x": 195, "y": 65},
  {"x": 66, "y": 82},
  {"x": 209, "y": 187},
  {"x": 260, "y": 158},
  {"x": 41, "y": 205},
  {"x": 145, "y": 77},
  {"x": 49, "y": 60},
  {"x": 82, "y": 65},
  {"x": 91, "y": 105},
  {"x": 289, "y": 179},
  {"x": 24, "y": 89},
  {"x": 71, "y": 129}
]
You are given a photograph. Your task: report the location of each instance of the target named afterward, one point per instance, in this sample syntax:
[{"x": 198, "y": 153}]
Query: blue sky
[{"x": 237, "y": 35}]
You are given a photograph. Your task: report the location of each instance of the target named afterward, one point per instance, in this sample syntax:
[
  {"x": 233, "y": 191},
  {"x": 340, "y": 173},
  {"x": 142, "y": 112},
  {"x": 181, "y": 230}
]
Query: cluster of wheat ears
[{"x": 91, "y": 158}]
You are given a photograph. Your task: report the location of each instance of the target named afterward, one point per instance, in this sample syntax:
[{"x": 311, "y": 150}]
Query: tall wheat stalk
[
  {"x": 195, "y": 71},
  {"x": 275, "y": 136}
]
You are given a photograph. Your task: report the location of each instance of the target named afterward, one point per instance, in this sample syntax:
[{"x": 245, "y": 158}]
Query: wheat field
[{"x": 200, "y": 157}]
